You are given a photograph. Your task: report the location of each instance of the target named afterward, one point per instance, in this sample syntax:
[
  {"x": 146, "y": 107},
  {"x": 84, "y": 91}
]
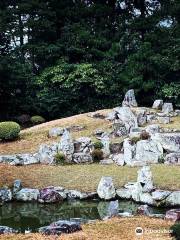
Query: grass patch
[{"x": 85, "y": 177}]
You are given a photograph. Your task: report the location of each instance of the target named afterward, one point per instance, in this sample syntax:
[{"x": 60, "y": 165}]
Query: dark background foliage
[{"x": 59, "y": 58}]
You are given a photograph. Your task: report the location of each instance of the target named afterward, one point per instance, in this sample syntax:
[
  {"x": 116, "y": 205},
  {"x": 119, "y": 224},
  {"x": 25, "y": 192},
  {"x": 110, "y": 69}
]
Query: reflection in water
[{"x": 23, "y": 216}]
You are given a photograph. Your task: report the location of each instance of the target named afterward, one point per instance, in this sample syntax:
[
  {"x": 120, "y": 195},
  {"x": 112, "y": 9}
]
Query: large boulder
[
  {"x": 47, "y": 153},
  {"x": 66, "y": 145},
  {"x": 60, "y": 227},
  {"x": 169, "y": 141},
  {"x": 164, "y": 119},
  {"x": 152, "y": 129},
  {"x": 55, "y": 132},
  {"x": 118, "y": 159},
  {"x": 27, "y": 194},
  {"x": 124, "y": 193},
  {"x": 157, "y": 104},
  {"x": 172, "y": 158},
  {"x": 106, "y": 145},
  {"x": 17, "y": 186},
  {"x": 167, "y": 108},
  {"x": 106, "y": 189},
  {"x": 50, "y": 195},
  {"x": 148, "y": 151},
  {"x": 119, "y": 128},
  {"x": 173, "y": 199},
  {"x": 127, "y": 117},
  {"x": 160, "y": 195},
  {"x": 83, "y": 145},
  {"x": 129, "y": 99},
  {"x": 129, "y": 151},
  {"x": 145, "y": 179},
  {"x": 82, "y": 158},
  {"x": 141, "y": 116},
  {"x": 5, "y": 195},
  {"x": 173, "y": 215}
]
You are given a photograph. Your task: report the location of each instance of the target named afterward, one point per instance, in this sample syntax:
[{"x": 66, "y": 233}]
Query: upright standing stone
[
  {"x": 129, "y": 99},
  {"x": 106, "y": 142},
  {"x": 145, "y": 179},
  {"x": 106, "y": 188},
  {"x": 66, "y": 145},
  {"x": 157, "y": 104},
  {"x": 167, "y": 108}
]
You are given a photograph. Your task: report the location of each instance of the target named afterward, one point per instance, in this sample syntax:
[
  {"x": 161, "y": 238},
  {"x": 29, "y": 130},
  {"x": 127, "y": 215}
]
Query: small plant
[
  {"x": 97, "y": 155},
  {"x": 144, "y": 135},
  {"x": 161, "y": 159},
  {"x": 60, "y": 158},
  {"x": 98, "y": 145},
  {"x": 134, "y": 140},
  {"x": 9, "y": 130},
  {"x": 37, "y": 120}
]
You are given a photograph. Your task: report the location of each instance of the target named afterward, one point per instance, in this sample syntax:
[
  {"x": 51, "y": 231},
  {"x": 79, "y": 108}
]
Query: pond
[{"x": 31, "y": 216}]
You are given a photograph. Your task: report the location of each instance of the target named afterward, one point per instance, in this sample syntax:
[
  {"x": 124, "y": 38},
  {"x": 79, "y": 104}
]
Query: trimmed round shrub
[
  {"x": 144, "y": 135},
  {"x": 134, "y": 140},
  {"x": 9, "y": 130},
  {"x": 60, "y": 158},
  {"x": 98, "y": 145},
  {"x": 37, "y": 120},
  {"x": 97, "y": 155}
]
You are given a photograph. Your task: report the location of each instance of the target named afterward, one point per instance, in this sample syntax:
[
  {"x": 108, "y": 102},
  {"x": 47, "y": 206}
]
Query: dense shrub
[
  {"x": 23, "y": 119},
  {"x": 60, "y": 158},
  {"x": 98, "y": 145},
  {"x": 176, "y": 230},
  {"x": 37, "y": 120},
  {"x": 9, "y": 130},
  {"x": 97, "y": 155},
  {"x": 144, "y": 135}
]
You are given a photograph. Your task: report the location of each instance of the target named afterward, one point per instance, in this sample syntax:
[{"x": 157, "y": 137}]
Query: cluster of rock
[{"x": 141, "y": 191}]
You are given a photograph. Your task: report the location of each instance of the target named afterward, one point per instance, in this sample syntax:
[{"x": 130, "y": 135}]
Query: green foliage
[
  {"x": 176, "y": 230},
  {"x": 9, "y": 130},
  {"x": 97, "y": 155},
  {"x": 161, "y": 159},
  {"x": 60, "y": 158},
  {"x": 37, "y": 120},
  {"x": 98, "y": 145},
  {"x": 171, "y": 91}
]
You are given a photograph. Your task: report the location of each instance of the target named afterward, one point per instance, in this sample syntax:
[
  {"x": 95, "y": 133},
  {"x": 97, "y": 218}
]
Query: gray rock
[
  {"x": 5, "y": 195},
  {"x": 143, "y": 210},
  {"x": 20, "y": 159},
  {"x": 145, "y": 179},
  {"x": 160, "y": 195},
  {"x": 157, "y": 104},
  {"x": 49, "y": 195},
  {"x": 146, "y": 198},
  {"x": 169, "y": 141},
  {"x": 148, "y": 151},
  {"x": 141, "y": 117},
  {"x": 82, "y": 158},
  {"x": 27, "y": 194},
  {"x": 127, "y": 117},
  {"x": 173, "y": 199},
  {"x": 47, "y": 153},
  {"x": 83, "y": 145},
  {"x": 152, "y": 129},
  {"x": 55, "y": 132},
  {"x": 172, "y": 158},
  {"x": 167, "y": 108},
  {"x": 98, "y": 132},
  {"x": 106, "y": 189},
  {"x": 119, "y": 129},
  {"x": 75, "y": 194},
  {"x": 124, "y": 193},
  {"x": 135, "y": 132},
  {"x": 115, "y": 148},
  {"x": 106, "y": 161},
  {"x": 106, "y": 142},
  {"x": 129, "y": 151},
  {"x": 164, "y": 120},
  {"x": 66, "y": 145},
  {"x": 61, "y": 226},
  {"x": 177, "y": 111},
  {"x": 129, "y": 99},
  {"x": 17, "y": 186},
  {"x": 118, "y": 159}
]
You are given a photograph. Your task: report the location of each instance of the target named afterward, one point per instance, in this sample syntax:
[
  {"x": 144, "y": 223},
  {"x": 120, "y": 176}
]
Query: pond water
[{"x": 24, "y": 216}]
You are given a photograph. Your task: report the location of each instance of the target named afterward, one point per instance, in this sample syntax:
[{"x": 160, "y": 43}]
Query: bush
[
  {"x": 144, "y": 135},
  {"x": 176, "y": 231},
  {"x": 161, "y": 159},
  {"x": 98, "y": 145},
  {"x": 60, "y": 158},
  {"x": 9, "y": 130},
  {"x": 97, "y": 155},
  {"x": 37, "y": 120}
]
